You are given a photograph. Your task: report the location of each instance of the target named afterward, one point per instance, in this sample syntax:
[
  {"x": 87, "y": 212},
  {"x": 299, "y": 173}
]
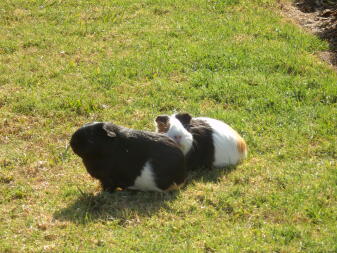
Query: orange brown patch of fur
[
  {"x": 241, "y": 146},
  {"x": 162, "y": 128}
]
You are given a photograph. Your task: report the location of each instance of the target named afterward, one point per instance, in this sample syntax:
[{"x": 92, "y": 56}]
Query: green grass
[{"x": 65, "y": 63}]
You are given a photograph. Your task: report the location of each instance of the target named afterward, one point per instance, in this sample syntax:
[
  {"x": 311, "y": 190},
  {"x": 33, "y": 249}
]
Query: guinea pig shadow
[
  {"x": 123, "y": 207},
  {"x": 210, "y": 175},
  {"x": 127, "y": 207}
]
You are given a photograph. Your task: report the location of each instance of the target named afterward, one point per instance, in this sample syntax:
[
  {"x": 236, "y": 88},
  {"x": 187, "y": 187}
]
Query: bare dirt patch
[{"x": 318, "y": 17}]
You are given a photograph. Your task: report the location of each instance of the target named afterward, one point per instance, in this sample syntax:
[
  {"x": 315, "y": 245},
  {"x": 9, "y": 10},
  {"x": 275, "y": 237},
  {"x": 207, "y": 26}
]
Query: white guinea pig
[{"x": 204, "y": 141}]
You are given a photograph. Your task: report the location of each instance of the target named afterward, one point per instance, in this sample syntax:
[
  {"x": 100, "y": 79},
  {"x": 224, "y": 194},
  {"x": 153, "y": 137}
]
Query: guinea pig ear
[
  {"x": 162, "y": 119},
  {"x": 184, "y": 118},
  {"x": 109, "y": 131},
  {"x": 163, "y": 124}
]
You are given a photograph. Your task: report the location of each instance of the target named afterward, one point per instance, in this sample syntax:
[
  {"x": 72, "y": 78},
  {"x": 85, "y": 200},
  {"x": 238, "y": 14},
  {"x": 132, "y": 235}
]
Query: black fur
[
  {"x": 162, "y": 119},
  {"x": 116, "y": 155},
  {"x": 184, "y": 118},
  {"x": 201, "y": 155}
]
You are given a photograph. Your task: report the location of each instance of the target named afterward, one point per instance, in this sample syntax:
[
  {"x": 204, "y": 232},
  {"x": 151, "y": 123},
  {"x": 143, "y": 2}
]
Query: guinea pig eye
[{"x": 177, "y": 137}]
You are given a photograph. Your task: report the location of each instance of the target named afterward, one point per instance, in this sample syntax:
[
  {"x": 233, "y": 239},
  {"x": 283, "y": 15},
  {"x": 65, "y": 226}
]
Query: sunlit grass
[{"x": 65, "y": 63}]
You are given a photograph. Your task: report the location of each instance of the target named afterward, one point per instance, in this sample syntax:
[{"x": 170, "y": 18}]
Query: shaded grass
[{"x": 65, "y": 63}]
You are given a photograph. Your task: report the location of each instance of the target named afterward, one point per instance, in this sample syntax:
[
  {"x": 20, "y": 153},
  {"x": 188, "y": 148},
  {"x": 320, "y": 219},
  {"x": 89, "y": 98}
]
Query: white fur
[
  {"x": 91, "y": 123},
  {"x": 145, "y": 181},
  {"x": 180, "y": 135},
  {"x": 225, "y": 141}
]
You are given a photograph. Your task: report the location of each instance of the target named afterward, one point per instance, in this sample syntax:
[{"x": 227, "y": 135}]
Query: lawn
[{"x": 64, "y": 63}]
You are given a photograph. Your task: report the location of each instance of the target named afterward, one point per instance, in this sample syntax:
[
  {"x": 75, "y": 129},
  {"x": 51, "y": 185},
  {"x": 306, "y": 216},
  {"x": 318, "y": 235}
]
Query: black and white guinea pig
[
  {"x": 129, "y": 159},
  {"x": 204, "y": 141}
]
